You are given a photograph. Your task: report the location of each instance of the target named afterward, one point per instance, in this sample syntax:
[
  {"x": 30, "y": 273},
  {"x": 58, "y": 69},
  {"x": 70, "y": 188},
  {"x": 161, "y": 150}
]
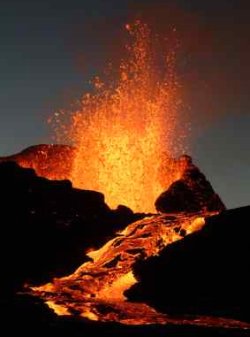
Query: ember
[{"x": 125, "y": 132}]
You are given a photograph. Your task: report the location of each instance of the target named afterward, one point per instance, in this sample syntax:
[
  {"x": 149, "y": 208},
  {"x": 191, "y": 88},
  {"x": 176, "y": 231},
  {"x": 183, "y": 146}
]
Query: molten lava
[
  {"x": 125, "y": 132},
  {"x": 96, "y": 289},
  {"x": 101, "y": 283}
]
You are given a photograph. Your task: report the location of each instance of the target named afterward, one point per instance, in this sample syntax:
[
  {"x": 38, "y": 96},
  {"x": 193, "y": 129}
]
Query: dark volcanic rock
[
  {"x": 191, "y": 193},
  {"x": 53, "y": 161},
  {"x": 208, "y": 272},
  {"x": 47, "y": 225}
]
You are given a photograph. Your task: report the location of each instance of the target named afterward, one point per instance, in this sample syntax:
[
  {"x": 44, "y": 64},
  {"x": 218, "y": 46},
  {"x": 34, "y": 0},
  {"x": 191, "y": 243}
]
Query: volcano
[
  {"x": 121, "y": 233},
  {"x": 131, "y": 260}
]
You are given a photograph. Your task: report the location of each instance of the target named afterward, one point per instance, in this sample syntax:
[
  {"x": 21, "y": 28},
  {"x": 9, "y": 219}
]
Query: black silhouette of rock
[
  {"x": 207, "y": 272},
  {"x": 191, "y": 193},
  {"x": 47, "y": 225}
]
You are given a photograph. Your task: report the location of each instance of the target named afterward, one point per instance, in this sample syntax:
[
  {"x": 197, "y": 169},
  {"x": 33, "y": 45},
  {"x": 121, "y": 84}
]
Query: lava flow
[
  {"x": 125, "y": 131},
  {"x": 96, "y": 289}
]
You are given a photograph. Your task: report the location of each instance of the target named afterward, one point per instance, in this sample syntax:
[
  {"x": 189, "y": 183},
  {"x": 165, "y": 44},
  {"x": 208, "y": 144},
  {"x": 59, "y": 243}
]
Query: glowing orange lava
[
  {"x": 102, "y": 281},
  {"x": 96, "y": 289},
  {"x": 124, "y": 132}
]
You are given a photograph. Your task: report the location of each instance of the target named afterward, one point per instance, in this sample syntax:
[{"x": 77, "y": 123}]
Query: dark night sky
[{"x": 50, "y": 49}]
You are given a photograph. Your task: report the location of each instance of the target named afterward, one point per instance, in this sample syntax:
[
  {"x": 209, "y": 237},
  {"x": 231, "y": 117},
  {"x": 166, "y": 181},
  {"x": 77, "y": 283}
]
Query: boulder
[{"x": 191, "y": 193}]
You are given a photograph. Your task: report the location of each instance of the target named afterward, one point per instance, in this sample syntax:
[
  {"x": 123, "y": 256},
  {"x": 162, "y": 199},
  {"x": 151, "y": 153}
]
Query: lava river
[{"x": 96, "y": 289}]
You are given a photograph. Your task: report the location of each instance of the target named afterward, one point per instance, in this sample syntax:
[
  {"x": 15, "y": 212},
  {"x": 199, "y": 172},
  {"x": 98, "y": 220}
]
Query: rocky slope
[
  {"x": 206, "y": 272},
  {"x": 46, "y": 226},
  {"x": 192, "y": 192},
  {"x": 52, "y": 161}
]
